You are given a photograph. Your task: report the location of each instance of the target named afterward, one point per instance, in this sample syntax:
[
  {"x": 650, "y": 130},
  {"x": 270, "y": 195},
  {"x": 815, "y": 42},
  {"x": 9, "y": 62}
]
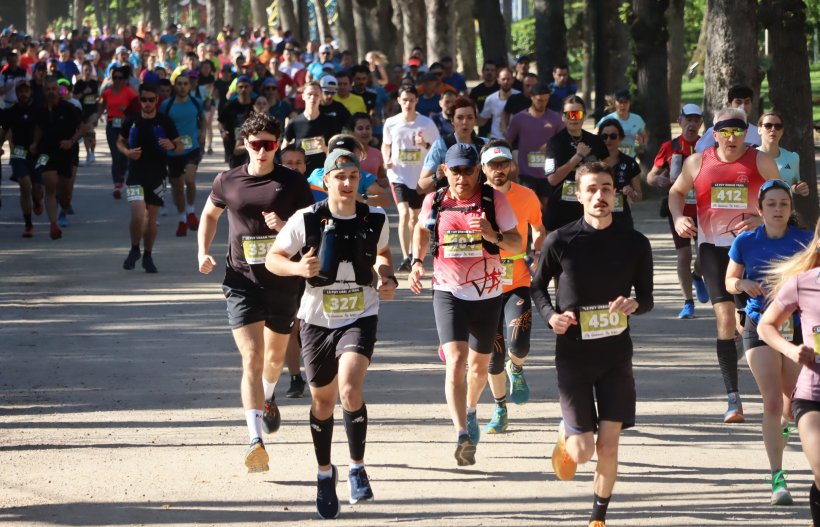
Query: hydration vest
[
  {"x": 355, "y": 240},
  {"x": 450, "y": 140},
  {"x": 487, "y": 206}
]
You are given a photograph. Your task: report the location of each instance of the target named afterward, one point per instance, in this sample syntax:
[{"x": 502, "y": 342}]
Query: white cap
[
  {"x": 691, "y": 109},
  {"x": 329, "y": 83},
  {"x": 495, "y": 152}
]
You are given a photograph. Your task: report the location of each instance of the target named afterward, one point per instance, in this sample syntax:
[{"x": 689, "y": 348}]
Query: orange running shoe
[
  {"x": 563, "y": 465},
  {"x": 597, "y": 523}
]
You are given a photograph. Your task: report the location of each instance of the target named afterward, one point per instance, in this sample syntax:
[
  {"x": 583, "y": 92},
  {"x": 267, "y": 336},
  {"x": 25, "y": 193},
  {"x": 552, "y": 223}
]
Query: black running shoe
[
  {"x": 405, "y": 265},
  {"x": 297, "y": 387},
  {"x": 271, "y": 418},
  {"x": 327, "y": 503},
  {"x": 131, "y": 261},
  {"x": 148, "y": 264},
  {"x": 359, "y": 485}
]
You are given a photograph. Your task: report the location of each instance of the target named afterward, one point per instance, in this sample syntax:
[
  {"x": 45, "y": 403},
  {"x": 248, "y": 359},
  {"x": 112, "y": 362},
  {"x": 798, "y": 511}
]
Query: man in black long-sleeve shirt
[{"x": 597, "y": 263}]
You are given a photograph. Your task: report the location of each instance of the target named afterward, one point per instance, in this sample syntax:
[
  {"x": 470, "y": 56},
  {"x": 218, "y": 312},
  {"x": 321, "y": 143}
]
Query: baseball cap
[
  {"x": 542, "y": 88},
  {"x": 623, "y": 95},
  {"x": 414, "y": 61},
  {"x": 691, "y": 109},
  {"x": 461, "y": 155},
  {"x": 120, "y": 49},
  {"x": 332, "y": 161},
  {"x": 344, "y": 143},
  {"x": 495, "y": 152},
  {"x": 64, "y": 47},
  {"x": 522, "y": 58},
  {"x": 149, "y": 77},
  {"x": 270, "y": 81},
  {"x": 243, "y": 78},
  {"x": 325, "y": 48},
  {"x": 329, "y": 83}
]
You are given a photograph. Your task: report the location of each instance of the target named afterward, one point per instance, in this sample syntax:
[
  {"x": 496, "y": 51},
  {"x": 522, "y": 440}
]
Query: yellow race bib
[
  {"x": 410, "y": 156},
  {"x": 568, "y": 191},
  {"x": 343, "y": 303},
  {"x": 536, "y": 159},
  {"x": 313, "y": 145},
  {"x": 619, "y": 202},
  {"x": 187, "y": 142},
  {"x": 116, "y": 122},
  {"x": 19, "y": 153},
  {"x": 255, "y": 248},
  {"x": 42, "y": 161},
  {"x": 462, "y": 244},
  {"x": 816, "y": 336},
  {"x": 597, "y": 322},
  {"x": 89, "y": 100},
  {"x": 730, "y": 196}
]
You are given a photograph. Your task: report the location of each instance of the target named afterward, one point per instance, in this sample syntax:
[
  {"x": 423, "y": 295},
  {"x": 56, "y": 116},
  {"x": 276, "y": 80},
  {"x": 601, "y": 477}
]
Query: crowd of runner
[{"x": 503, "y": 199}]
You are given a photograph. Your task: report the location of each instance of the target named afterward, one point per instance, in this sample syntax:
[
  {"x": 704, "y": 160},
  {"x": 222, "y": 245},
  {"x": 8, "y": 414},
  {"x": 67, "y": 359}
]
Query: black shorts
[
  {"x": 24, "y": 168},
  {"x": 680, "y": 243},
  {"x": 752, "y": 340},
  {"x": 75, "y": 155},
  {"x": 514, "y": 327},
  {"x": 177, "y": 164},
  {"x": 60, "y": 162},
  {"x": 150, "y": 194},
  {"x": 322, "y": 347},
  {"x": 249, "y": 303},
  {"x": 404, "y": 194},
  {"x": 472, "y": 321},
  {"x": 541, "y": 186},
  {"x": 713, "y": 263},
  {"x": 801, "y": 407},
  {"x": 595, "y": 373}
]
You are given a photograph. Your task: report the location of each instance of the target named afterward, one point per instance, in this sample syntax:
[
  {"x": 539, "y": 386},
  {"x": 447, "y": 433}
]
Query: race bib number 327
[
  {"x": 597, "y": 322},
  {"x": 344, "y": 303}
]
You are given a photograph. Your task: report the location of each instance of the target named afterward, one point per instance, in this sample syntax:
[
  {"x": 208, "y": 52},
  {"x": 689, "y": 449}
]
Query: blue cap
[
  {"x": 461, "y": 155},
  {"x": 243, "y": 78},
  {"x": 269, "y": 81}
]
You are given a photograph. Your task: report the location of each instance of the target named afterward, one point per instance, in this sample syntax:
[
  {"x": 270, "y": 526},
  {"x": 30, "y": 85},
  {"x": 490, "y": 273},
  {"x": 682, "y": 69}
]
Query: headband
[{"x": 730, "y": 123}]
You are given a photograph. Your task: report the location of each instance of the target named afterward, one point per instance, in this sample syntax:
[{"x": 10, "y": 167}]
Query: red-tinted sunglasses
[
  {"x": 269, "y": 145},
  {"x": 575, "y": 115}
]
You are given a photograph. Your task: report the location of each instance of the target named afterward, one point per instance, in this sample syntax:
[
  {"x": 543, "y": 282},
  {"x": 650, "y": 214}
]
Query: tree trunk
[
  {"x": 506, "y": 12},
  {"x": 397, "y": 55},
  {"x": 287, "y": 16},
  {"x": 699, "y": 55},
  {"x": 492, "y": 29},
  {"x": 675, "y": 56},
  {"x": 731, "y": 53},
  {"x": 98, "y": 13},
  {"x": 550, "y": 35},
  {"x": 648, "y": 29},
  {"x": 79, "y": 13},
  {"x": 232, "y": 14},
  {"x": 345, "y": 25},
  {"x": 322, "y": 23},
  {"x": 790, "y": 90},
  {"x": 303, "y": 16},
  {"x": 260, "y": 17},
  {"x": 439, "y": 29},
  {"x": 414, "y": 25},
  {"x": 36, "y": 19},
  {"x": 465, "y": 39},
  {"x": 373, "y": 25},
  {"x": 611, "y": 54},
  {"x": 155, "y": 18},
  {"x": 588, "y": 77},
  {"x": 214, "y": 11}
]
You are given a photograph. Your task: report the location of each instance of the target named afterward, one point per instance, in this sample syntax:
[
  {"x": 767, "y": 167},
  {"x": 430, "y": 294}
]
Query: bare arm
[
  {"x": 421, "y": 241},
  {"x": 769, "y": 332},
  {"x": 735, "y": 283},
  {"x": 684, "y": 225},
  {"x": 377, "y": 197},
  {"x": 205, "y": 236}
]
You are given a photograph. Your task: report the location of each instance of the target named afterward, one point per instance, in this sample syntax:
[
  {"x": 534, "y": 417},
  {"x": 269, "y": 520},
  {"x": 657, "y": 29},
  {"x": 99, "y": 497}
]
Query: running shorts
[
  {"x": 471, "y": 321},
  {"x": 322, "y": 347}
]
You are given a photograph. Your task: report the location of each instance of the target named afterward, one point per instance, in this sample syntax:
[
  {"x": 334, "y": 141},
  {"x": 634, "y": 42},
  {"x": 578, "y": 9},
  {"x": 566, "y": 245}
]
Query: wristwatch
[
  {"x": 500, "y": 238},
  {"x": 417, "y": 260},
  {"x": 395, "y": 280}
]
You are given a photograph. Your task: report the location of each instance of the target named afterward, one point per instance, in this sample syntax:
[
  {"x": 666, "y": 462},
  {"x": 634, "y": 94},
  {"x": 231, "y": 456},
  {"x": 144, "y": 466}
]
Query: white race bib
[
  {"x": 343, "y": 303},
  {"x": 462, "y": 244}
]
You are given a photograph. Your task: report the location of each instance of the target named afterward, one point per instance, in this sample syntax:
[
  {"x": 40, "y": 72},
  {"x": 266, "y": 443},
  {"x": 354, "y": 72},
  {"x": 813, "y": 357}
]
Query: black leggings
[{"x": 516, "y": 316}]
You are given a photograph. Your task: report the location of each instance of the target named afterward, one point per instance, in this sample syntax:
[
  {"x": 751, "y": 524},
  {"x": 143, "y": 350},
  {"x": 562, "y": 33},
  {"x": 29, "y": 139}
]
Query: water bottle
[
  {"x": 159, "y": 133},
  {"x": 133, "y": 134},
  {"x": 328, "y": 262},
  {"x": 675, "y": 167}
]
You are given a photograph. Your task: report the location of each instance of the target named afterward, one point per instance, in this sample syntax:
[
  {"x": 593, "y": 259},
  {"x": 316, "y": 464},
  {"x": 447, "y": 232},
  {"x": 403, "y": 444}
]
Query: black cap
[
  {"x": 460, "y": 155},
  {"x": 345, "y": 143},
  {"x": 623, "y": 95}
]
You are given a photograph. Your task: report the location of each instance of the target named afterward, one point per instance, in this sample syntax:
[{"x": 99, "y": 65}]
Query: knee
[
  {"x": 773, "y": 404},
  {"x": 580, "y": 450},
  {"x": 322, "y": 408},
  {"x": 607, "y": 451},
  {"x": 351, "y": 397},
  {"x": 252, "y": 365}
]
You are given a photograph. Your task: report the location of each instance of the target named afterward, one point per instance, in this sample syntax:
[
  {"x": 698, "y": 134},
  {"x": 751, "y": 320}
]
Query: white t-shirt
[
  {"x": 343, "y": 302},
  {"x": 493, "y": 108},
  {"x": 707, "y": 140},
  {"x": 407, "y": 156}
]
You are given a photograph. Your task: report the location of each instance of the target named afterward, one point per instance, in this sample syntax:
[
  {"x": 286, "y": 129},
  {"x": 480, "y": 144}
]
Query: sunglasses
[
  {"x": 269, "y": 88},
  {"x": 148, "y": 99},
  {"x": 729, "y": 132},
  {"x": 242, "y": 86},
  {"x": 462, "y": 171},
  {"x": 117, "y": 77},
  {"x": 268, "y": 144},
  {"x": 575, "y": 116},
  {"x": 776, "y": 126},
  {"x": 611, "y": 137},
  {"x": 328, "y": 92}
]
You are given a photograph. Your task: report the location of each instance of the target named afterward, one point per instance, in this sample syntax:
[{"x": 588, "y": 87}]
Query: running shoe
[
  {"x": 55, "y": 232},
  {"x": 117, "y": 192},
  {"x": 256, "y": 459},
  {"x": 441, "y": 354},
  {"x": 131, "y": 260},
  {"x": 70, "y": 210},
  {"x": 62, "y": 219},
  {"x": 472, "y": 427},
  {"x": 519, "y": 390},
  {"x": 688, "y": 311},
  {"x": 90, "y": 158},
  {"x": 498, "y": 424},
  {"x": 359, "y": 484},
  {"x": 465, "y": 451},
  {"x": 38, "y": 207},
  {"x": 297, "y": 387},
  {"x": 148, "y": 264},
  {"x": 28, "y": 231},
  {"x": 405, "y": 265},
  {"x": 210, "y": 151},
  {"x": 182, "y": 229},
  {"x": 271, "y": 418},
  {"x": 700, "y": 288},
  {"x": 563, "y": 465},
  {"x": 597, "y": 523},
  {"x": 780, "y": 494},
  {"x": 734, "y": 412},
  {"x": 193, "y": 222},
  {"x": 327, "y": 503},
  {"x": 788, "y": 430}
]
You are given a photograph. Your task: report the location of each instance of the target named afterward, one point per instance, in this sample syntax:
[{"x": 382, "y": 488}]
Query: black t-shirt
[
  {"x": 369, "y": 99},
  {"x": 337, "y": 111},
  {"x": 625, "y": 169},
  {"x": 307, "y": 134},
  {"x": 87, "y": 93},
  {"x": 21, "y": 120},
  {"x": 479, "y": 94},
  {"x": 518, "y": 102},
  {"x": 232, "y": 116},
  {"x": 221, "y": 87},
  {"x": 58, "y": 124},
  {"x": 152, "y": 166},
  {"x": 246, "y": 197}
]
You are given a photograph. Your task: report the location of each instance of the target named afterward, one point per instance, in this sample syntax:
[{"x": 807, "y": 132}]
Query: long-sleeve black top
[{"x": 594, "y": 267}]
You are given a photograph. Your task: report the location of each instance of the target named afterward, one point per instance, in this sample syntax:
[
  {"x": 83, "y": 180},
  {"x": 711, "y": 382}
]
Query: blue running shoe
[
  {"x": 472, "y": 427},
  {"x": 519, "y": 390},
  {"x": 498, "y": 424},
  {"x": 359, "y": 484},
  {"x": 700, "y": 289},
  {"x": 688, "y": 311},
  {"x": 62, "y": 220},
  {"x": 327, "y": 503}
]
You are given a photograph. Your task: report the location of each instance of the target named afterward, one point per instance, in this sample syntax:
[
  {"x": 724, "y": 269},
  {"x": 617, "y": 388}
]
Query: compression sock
[
  {"x": 356, "y": 428},
  {"x": 814, "y": 503},
  {"x": 599, "y": 506},
  {"x": 253, "y": 418},
  {"x": 727, "y": 358},
  {"x": 322, "y": 432},
  {"x": 182, "y": 217},
  {"x": 268, "y": 388},
  {"x": 27, "y": 219},
  {"x": 501, "y": 402}
]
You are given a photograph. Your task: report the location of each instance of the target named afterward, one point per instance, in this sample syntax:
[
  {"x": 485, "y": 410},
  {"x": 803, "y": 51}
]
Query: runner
[
  {"x": 259, "y": 196},
  {"x": 368, "y": 189},
  {"x": 632, "y": 124},
  {"x": 751, "y": 254},
  {"x": 495, "y": 102},
  {"x": 590, "y": 317},
  {"x": 465, "y": 225},
  {"x": 741, "y": 97},
  {"x": 231, "y": 117},
  {"x": 86, "y": 89},
  {"x": 65, "y": 187},
  {"x": 406, "y": 140},
  {"x": 795, "y": 286},
  {"x": 339, "y": 314},
  {"x": 311, "y": 130},
  {"x": 146, "y": 139},
  {"x": 515, "y": 320},
  {"x": 114, "y": 101},
  {"x": 625, "y": 168},
  {"x": 725, "y": 178},
  {"x": 770, "y": 127}
]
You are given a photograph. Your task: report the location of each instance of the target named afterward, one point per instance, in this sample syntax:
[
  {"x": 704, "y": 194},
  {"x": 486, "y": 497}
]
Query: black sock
[
  {"x": 814, "y": 503},
  {"x": 322, "y": 432},
  {"x": 356, "y": 428},
  {"x": 294, "y": 377},
  {"x": 599, "y": 506},
  {"x": 727, "y": 358},
  {"x": 690, "y": 301},
  {"x": 27, "y": 219},
  {"x": 146, "y": 253},
  {"x": 501, "y": 402},
  {"x": 135, "y": 248}
]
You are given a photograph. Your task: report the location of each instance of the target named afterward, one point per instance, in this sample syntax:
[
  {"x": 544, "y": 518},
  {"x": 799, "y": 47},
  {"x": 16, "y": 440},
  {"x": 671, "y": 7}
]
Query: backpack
[
  {"x": 487, "y": 207},
  {"x": 197, "y": 105}
]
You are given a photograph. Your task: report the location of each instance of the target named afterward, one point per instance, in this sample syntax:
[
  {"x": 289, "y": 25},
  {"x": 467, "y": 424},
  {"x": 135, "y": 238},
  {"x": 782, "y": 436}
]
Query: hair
[
  {"x": 594, "y": 167},
  {"x": 574, "y": 99},
  {"x": 435, "y": 65},
  {"x": 312, "y": 84},
  {"x": 780, "y": 271},
  {"x": 152, "y": 88},
  {"x": 462, "y": 101},
  {"x": 165, "y": 82},
  {"x": 448, "y": 91},
  {"x": 409, "y": 88},
  {"x": 293, "y": 147},
  {"x": 530, "y": 75},
  {"x": 560, "y": 66},
  {"x": 731, "y": 113},
  {"x": 356, "y": 117},
  {"x": 493, "y": 144},
  {"x": 612, "y": 122},
  {"x": 260, "y": 122},
  {"x": 358, "y": 68},
  {"x": 771, "y": 114},
  {"x": 343, "y": 73},
  {"x": 739, "y": 91},
  {"x": 346, "y": 137},
  {"x": 489, "y": 63}
]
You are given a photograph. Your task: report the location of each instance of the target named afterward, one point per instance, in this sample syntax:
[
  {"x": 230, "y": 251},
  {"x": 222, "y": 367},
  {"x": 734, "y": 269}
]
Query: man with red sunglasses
[{"x": 260, "y": 196}]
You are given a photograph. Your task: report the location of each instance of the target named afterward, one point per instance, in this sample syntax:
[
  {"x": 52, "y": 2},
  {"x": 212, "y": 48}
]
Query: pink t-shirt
[
  {"x": 802, "y": 292},
  {"x": 373, "y": 161},
  {"x": 462, "y": 266}
]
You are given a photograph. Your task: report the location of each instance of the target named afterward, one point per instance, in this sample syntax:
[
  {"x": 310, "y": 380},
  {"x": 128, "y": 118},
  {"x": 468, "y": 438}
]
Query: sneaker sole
[
  {"x": 488, "y": 430},
  {"x": 257, "y": 460},
  {"x": 734, "y": 419},
  {"x": 561, "y": 472},
  {"x": 290, "y": 395},
  {"x": 784, "y": 498},
  {"x": 465, "y": 454}
]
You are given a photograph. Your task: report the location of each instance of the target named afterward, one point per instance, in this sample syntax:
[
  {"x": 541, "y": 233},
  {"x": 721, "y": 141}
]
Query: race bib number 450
[
  {"x": 730, "y": 196},
  {"x": 343, "y": 303},
  {"x": 597, "y": 322},
  {"x": 255, "y": 248}
]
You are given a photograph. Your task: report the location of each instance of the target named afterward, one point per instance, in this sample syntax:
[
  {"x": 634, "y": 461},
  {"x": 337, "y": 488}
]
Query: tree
[
  {"x": 492, "y": 29},
  {"x": 465, "y": 39},
  {"x": 439, "y": 29},
  {"x": 36, "y": 17},
  {"x": 790, "y": 89},
  {"x": 611, "y": 52},
  {"x": 214, "y": 11},
  {"x": 303, "y": 17},
  {"x": 232, "y": 14},
  {"x": 322, "y": 23},
  {"x": 550, "y": 35},
  {"x": 287, "y": 16},
  {"x": 731, "y": 53},
  {"x": 413, "y": 24},
  {"x": 78, "y": 13},
  {"x": 675, "y": 56},
  {"x": 345, "y": 25},
  {"x": 374, "y": 25},
  {"x": 260, "y": 17}
]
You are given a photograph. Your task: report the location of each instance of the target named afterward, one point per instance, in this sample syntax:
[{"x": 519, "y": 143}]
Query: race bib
[
  {"x": 597, "y": 322},
  {"x": 619, "y": 203},
  {"x": 787, "y": 329},
  {"x": 42, "y": 161},
  {"x": 462, "y": 244},
  {"x": 313, "y": 145},
  {"x": 19, "y": 152},
  {"x": 410, "y": 156},
  {"x": 343, "y": 303},
  {"x": 536, "y": 159},
  {"x": 187, "y": 142},
  {"x": 730, "y": 196},
  {"x": 507, "y": 275},
  {"x": 690, "y": 198},
  {"x": 88, "y": 100},
  {"x": 568, "y": 191},
  {"x": 237, "y": 132},
  {"x": 116, "y": 122},
  {"x": 816, "y": 336},
  {"x": 255, "y": 248},
  {"x": 135, "y": 193}
]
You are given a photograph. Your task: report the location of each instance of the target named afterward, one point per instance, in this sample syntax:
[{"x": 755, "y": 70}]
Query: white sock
[
  {"x": 471, "y": 411},
  {"x": 253, "y": 418},
  {"x": 268, "y": 387},
  {"x": 182, "y": 217},
  {"x": 189, "y": 209},
  {"x": 356, "y": 465},
  {"x": 325, "y": 474},
  {"x": 462, "y": 432}
]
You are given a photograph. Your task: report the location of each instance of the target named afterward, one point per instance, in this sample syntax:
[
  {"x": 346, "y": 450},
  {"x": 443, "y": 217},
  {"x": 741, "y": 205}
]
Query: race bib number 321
[{"x": 597, "y": 322}]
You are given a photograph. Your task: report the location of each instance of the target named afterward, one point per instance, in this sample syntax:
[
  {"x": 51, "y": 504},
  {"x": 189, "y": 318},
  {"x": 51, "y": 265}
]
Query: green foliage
[
  {"x": 692, "y": 19},
  {"x": 523, "y": 36}
]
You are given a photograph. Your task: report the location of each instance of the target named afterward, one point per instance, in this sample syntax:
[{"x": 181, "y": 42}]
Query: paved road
[{"x": 119, "y": 404}]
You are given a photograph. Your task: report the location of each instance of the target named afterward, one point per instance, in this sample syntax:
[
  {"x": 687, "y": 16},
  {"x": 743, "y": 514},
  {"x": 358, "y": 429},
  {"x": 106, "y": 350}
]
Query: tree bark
[
  {"x": 506, "y": 12},
  {"x": 414, "y": 25},
  {"x": 78, "y": 12},
  {"x": 345, "y": 25},
  {"x": 699, "y": 56},
  {"x": 731, "y": 53},
  {"x": 260, "y": 17},
  {"x": 550, "y": 35},
  {"x": 98, "y": 13},
  {"x": 465, "y": 39},
  {"x": 322, "y": 23},
  {"x": 675, "y": 56},
  {"x": 611, "y": 53},
  {"x": 214, "y": 11},
  {"x": 790, "y": 91},
  {"x": 303, "y": 17},
  {"x": 36, "y": 18},
  {"x": 287, "y": 16},
  {"x": 439, "y": 29},
  {"x": 648, "y": 29},
  {"x": 587, "y": 45},
  {"x": 492, "y": 29},
  {"x": 232, "y": 14},
  {"x": 396, "y": 55},
  {"x": 374, "y": 25}
]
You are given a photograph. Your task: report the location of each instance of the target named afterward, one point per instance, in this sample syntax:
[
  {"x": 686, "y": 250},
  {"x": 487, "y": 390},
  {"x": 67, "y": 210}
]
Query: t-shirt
[
  {"x": 86, "y": 92},
  {"x": 559, "y": 93},
  {"x": 407, "y": 156},
  {"x": 374, "y": 160},
  {"x": 788, "y": 163},
  {"x": 463, "y": 267},
  {"x": 68, "y": 69},
  {"x": 479, "y": 94},
  {"x": 532, "y": 134},
  {"x": 312, "y": 136},
  {"x": 9, "y": 76},
  {"x": 755, "y": 251},
  {"x": 21, "y": 120},
  {"x": 281, "y": 111},
  {"x": 232, "y": 115},
  {"x": 337, "y": 111},
  {"x": 457, "y": 81},
  {"x": 517, "y": 103},
  {"x": 370, "y": 98},
  {"x": 632, "y": 125},
  {"x": 366, "y": 179},
  {"x": 625, "y": 170},
  {"x": 354, "y": 103},
  {"x": 117, "y": 103},
  {"x": 428, "y": 105},
  {"x": 152, "y": 167},
  {"x": 707, "y": 140},
  {"x": 58, "y": 123},
  {"x": 246, "y": 197},
  {"x": 292, "y": 239},
  {"x": 527, "y": 209},
  {"x": 186, "y": 115},
  {"x": 802, "y": 292},
  {"x": 493, "y": 108},
  {"x": 663, "y": 159}
]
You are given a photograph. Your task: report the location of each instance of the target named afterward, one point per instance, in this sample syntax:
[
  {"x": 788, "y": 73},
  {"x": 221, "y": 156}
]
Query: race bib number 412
[
  {"x": 597, "y": 322},
  {"x": 730, "y": 196}
]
